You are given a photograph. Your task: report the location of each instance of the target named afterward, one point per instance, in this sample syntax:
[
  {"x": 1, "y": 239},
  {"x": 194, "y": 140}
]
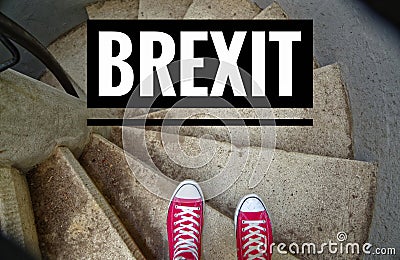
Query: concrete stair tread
[
  {"x": 143, "y": 213},
  {"x": 73, "y": 219},
  {"x": 272, "y": 12},
  {"x": 35, "y": 118},
  {"x": 16, "y": 215},
  {"x": 331, "y": 115},
  {"x": 165, "y": 9},
  {"x": 222, "y": 9},
  {"x": 113, "y": 9},
  {"x": 310, "y": 197},
  {"x": 70, "y": 51}
]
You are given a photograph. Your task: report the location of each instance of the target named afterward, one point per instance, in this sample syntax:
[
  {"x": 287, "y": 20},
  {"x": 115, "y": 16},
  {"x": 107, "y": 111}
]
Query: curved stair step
[
  {"x": 35, "y": 118},
  {"x": 70, "y": 51},
  {"x": 73, "y": 219},
  {"x": 311, "y": 198},
  {"x": 16, "y": 215},
  {"x": 113, "y": 9},
  {"x": 164, "y": 9},
  {"x": 143, "y": 213},
  {"x": 222, "y": 9},
  {"x": 329, "y": 136},
  {"x": 272, "y": 12}
]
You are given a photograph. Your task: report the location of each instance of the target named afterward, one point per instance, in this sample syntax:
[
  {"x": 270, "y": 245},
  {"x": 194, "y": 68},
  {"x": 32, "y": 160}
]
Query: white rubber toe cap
[
  {"x": 252, "y": 204},
  {"x": 188, "y": 191}
]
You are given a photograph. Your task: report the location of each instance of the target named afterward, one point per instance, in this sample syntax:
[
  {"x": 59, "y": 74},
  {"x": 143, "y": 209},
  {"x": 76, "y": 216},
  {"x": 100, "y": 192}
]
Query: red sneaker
[
  {"x": 253, "y": 229},
  {"x": 185, "y": 222}
]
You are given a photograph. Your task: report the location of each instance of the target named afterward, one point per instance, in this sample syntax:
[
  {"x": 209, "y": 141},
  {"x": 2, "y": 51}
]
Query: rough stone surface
[
  {"x": 222, "y": 9},
  {"x": 73, "y": 219},
  {"x": 165, "y": 9},
  {"x": 114, "y": 9},
  {"x": 35, "y": 118},
  {"x": 311, "y": 198},
  {"x": 70, "y": 51},
  {"x": 16, "y": 215},
  {"x": 329, "y": 136},
  {"x": 143, "y": 213},
  {"x": 273, "y": 11}
]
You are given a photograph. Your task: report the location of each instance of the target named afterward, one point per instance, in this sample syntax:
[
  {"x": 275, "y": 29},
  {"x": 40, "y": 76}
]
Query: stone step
[
  {"x": 35, "y": 118},
  {"x": 73, "y": 219},
  {"x": 164, "y": 9},
  {"x": 222, "y": 9},
  {"x": 16, "y": 215},
  {"x": 143, "y": 213},
  {"x": 70, "y": 51},
  {"x": 329, "y": 136},
  {"x": 113, "y": 9},
  {"x": 272, "y": 12},
  {"x": 311, "y": 198}
]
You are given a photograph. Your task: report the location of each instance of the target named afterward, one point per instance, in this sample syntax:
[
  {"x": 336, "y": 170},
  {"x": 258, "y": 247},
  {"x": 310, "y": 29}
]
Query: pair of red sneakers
[{"x": 185, "y": 222}]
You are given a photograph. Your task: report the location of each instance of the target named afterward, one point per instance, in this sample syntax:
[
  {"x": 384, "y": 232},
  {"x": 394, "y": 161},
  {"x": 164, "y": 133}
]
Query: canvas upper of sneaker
[
  {"x": 253, "y": 232},
  {"x": 184, "y": 225}
]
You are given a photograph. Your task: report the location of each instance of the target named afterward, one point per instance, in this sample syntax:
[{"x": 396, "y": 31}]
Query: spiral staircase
[{"x": 68, "y": 191}]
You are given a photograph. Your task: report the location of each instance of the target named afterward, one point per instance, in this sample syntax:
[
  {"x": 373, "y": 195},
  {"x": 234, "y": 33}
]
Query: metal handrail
[
  {"x": 14, "y": 52},
  {"x": 13, "y": 31}
]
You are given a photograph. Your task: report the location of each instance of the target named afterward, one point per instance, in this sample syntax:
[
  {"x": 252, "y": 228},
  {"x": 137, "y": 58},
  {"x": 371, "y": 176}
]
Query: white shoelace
[
  {"x": 256, "y": 240},
  {"x": 186, "y": 245}
]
